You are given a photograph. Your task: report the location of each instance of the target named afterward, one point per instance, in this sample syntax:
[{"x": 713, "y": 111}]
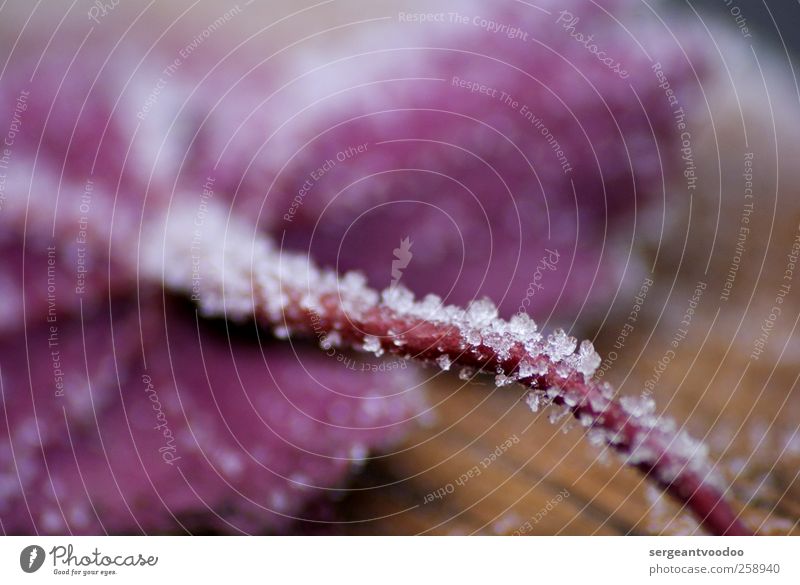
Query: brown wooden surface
[
  {"x": 751, "y": 414},
  {"x": 605, "y": 497}
]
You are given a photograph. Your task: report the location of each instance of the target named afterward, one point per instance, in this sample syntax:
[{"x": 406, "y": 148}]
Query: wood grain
[{"x": 511, "y": 494}]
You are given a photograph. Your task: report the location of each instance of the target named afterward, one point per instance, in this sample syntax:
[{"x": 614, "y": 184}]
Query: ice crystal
[
  {"x": 481, "y": 313},
  {"x": 560, "y": 345},
  {"x": 638, "y": 406},
  {"x": 430, "y": 306},
  {"x": 444, "y": 362},
  {"x": 523, "y": 328},
  {"x": 587, "y": 359},
  {"x": 373, "y": 345},
  {"x": 558, "y": 414},
  {"x": 534, "y": 400},
  {"x": 532, "y": 367},
  {"x": 398, "y": 298},
  {"x": 501, "y": 380},
  {"x": 563, "y": 370},
  {"x": 466, "y": 374},
  {"x": 332, "y": 339},
  {"x": 571, "y": 399}
]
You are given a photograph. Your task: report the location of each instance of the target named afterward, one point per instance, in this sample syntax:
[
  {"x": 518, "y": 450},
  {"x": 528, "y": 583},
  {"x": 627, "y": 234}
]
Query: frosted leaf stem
[{"x": 244, "y": 276}]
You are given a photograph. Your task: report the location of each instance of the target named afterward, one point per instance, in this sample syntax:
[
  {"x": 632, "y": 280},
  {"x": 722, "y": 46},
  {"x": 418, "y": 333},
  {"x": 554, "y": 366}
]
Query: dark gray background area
[{"x": 759, "y": 15}]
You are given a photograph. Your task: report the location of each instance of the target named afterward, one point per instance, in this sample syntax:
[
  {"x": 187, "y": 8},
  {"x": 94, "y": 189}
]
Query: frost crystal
[
  {"x": 443, "y": 361},
  {"x": 587, "y": 360},
  {"x": 557, "y": 414},
  {"x": 560, "y": 345},
  {"x": 523, "y": 328},
  {"x": 481, "y": 313},
  {"x": 473, "y": 338},
  {"x": 373, "y": 344},
  {"x": 526, "y": 369},
  {"x": 571, "y": 399},
  {"x": 534, "y": 367},
  {"x": 466, "y": 374},
  {"x": 563, "y": 370},
  {"x": 641, "y": 453},
  {"x": 503, "y": 380},
  {"x": 597, "y": 403},
  {"x": 534, "y": 401},
  {"x": 636, "y": 406},
  {"x": 332, "y": 339},
  {"x": 596, "y": 436},
  {"x": 429, "y": 307},
  {"x": 398, "y": 298}
]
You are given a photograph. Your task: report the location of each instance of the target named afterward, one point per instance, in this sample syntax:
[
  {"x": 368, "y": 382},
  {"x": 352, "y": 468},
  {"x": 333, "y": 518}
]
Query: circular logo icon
[{"x": 31, "y": 558}]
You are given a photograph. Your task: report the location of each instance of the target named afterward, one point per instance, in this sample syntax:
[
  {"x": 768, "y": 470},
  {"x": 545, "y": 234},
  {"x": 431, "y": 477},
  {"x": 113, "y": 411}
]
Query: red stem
[
  {"x": 289, "y": 295},
  {"x": 684, "y": 475}
]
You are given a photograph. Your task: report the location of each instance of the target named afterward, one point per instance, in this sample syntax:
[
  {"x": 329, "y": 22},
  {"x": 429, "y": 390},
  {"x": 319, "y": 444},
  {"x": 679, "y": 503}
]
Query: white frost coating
[
  {"x": 242, "y": 273},
  {"x": 232, "y": 270},
  {"x": 557, "y": 414},
  {"x": 636, "y": 406},
  {"x": 204, "y": 260}
]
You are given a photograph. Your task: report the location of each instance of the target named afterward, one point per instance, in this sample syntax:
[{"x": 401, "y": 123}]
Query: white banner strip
[{"x": 401, "y": 560}]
